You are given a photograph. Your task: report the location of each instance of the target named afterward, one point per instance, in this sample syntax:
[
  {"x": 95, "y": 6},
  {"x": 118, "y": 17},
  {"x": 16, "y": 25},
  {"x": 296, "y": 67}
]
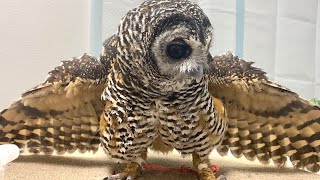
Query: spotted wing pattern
[
  {"x": 265, "y": 120},
  {"x": 60, "y": 114}
]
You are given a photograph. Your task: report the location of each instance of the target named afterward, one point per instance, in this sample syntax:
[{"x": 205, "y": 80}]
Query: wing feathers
[
  {"x": 266, "y": 120},
  {"x": 62, "y": 113}
]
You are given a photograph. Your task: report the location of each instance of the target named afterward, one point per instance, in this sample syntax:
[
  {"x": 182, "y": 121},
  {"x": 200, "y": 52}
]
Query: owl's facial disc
[
  {"x": 180, "y": 54},
  {"x": 178, "y": 50}
]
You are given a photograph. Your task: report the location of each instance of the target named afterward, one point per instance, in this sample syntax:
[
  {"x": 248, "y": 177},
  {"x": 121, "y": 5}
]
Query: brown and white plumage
[
  {"x": 265, "y": 120},
  {"x": 61, "y": 113},
  {"x": 157, "y": 86}
]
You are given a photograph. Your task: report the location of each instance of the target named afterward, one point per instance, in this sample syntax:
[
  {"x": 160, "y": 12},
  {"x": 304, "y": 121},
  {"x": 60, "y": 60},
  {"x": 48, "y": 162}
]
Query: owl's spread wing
[
  {"x": 60, "y": 114},
  {"x": 266, "y": 120}
]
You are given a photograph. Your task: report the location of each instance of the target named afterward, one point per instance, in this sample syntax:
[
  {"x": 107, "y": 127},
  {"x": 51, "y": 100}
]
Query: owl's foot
[
  {"x": 207, "y": 174},
  {"x": 130, "y": 172},
  {"x": 204, "y": 171}
]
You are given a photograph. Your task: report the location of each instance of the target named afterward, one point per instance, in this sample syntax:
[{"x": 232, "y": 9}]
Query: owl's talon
[
  {"x": 120, "y": 176},
  {"x": 129, "y": 178},
  {"x": 130, "y": 172},
  {"x": 222, "y": 177}
]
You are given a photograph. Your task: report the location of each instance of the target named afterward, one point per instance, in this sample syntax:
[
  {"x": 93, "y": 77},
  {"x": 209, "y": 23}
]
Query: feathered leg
[
  {"x": 131, "y": 171},
  {"x": 203, "y": 166}
]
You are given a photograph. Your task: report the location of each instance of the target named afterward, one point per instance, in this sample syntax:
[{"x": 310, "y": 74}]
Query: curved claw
[
  {"x": 130, "y": 172},
  {"x": 120, "y": 176},
  {"x": 221, "y": 177}
]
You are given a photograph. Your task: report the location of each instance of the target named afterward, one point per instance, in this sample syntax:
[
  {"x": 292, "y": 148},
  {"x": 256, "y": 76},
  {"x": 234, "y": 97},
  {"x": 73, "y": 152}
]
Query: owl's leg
[
  {"x": 131, "y": 171},
  {"x": 203, "y": 166}
]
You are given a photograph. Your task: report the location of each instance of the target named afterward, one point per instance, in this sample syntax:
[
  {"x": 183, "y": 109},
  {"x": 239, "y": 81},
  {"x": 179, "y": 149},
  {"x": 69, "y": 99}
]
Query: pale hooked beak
[{"x": 196, "y": 73}]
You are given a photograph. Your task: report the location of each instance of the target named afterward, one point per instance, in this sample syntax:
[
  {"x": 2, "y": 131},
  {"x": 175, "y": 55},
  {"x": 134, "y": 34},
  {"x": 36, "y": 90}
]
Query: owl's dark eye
[{"x": 178, "y": 49}]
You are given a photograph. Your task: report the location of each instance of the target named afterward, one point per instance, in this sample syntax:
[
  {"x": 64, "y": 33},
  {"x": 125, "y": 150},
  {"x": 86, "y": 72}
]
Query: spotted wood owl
[{"x": 157, "y": 86}]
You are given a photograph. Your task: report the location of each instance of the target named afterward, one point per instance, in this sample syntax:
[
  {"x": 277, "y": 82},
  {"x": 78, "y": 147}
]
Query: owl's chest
[{"x": 184, "y": 119}]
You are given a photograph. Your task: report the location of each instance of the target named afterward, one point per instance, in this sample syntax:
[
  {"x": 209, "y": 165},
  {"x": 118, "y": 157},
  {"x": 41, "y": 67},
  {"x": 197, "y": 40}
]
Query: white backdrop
[
  {"x": 281, "y": 36},
  {"x": 35, "y": 35}
]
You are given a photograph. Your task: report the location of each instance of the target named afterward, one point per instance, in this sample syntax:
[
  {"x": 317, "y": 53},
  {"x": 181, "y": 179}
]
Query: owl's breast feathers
[{"x": 183, "y": 117}]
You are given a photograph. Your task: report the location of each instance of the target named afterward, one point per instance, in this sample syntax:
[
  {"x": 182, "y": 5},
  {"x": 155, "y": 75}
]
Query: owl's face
[
  {"x": 181, "y": 50},
  {"x": 169, "y": 39},
  {"x": 182, "y": 37}
]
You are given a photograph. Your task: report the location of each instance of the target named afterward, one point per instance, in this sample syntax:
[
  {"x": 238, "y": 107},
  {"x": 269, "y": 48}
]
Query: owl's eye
[{"x": 178, "y": 49}]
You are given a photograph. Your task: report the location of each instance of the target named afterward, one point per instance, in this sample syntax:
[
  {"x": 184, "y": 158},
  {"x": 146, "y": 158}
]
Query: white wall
[
  {"x": 35, "y": 35},
  {"x": 281, "y": 36},
  {"x": 286, "y": 32},
  {"x": 113, "y": 11}
]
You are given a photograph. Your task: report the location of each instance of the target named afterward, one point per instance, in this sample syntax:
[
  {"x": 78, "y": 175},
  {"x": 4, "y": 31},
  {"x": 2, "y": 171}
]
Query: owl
[{"x": 157, "y": 86}]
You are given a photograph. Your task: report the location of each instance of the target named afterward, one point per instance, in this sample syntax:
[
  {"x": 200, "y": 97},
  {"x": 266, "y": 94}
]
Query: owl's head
[{"x": 172, "y": 36}]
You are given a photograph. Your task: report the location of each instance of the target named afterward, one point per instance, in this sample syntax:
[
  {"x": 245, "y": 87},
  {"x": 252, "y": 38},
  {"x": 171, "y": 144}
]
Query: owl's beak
[{"x": 196, "y": 73}]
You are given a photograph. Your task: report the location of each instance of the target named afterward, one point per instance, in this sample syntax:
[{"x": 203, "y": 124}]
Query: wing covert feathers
[
  {"x": 266, "y": 120},
  {"x": 61, "y": 113}
]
